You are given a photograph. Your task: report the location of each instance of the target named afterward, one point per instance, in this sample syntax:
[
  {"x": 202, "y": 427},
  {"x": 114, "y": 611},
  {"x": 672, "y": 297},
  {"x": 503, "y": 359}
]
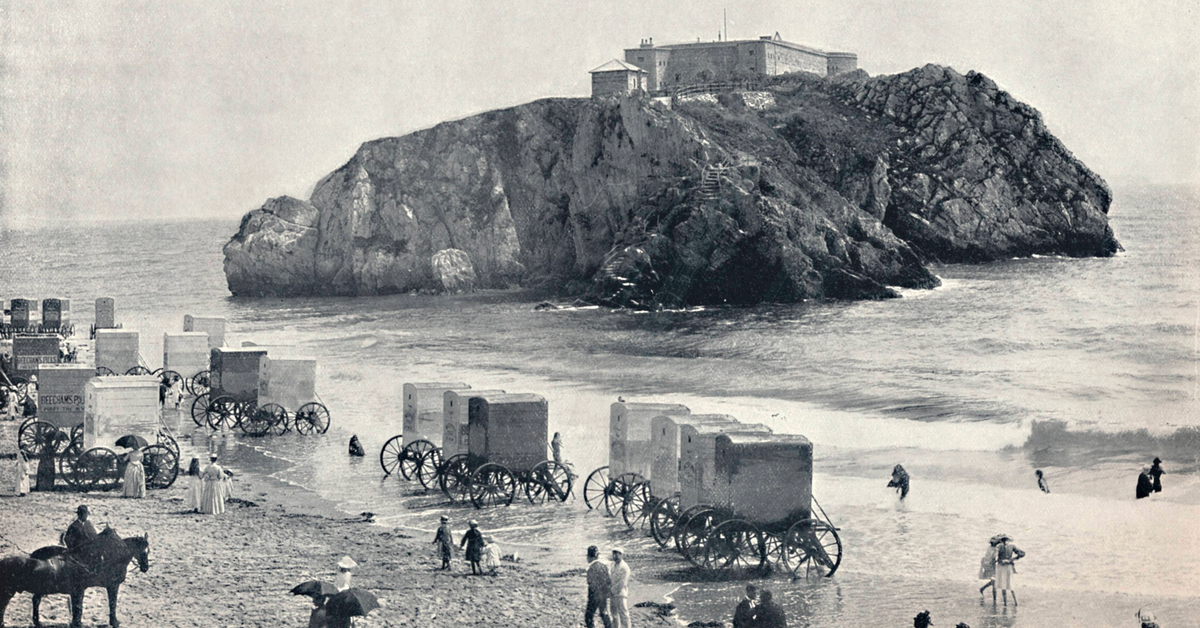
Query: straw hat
[
  {"x": 473, "y": 523},
  {"x": 618, "y": 550},
  {"x": 347, "y": 563},
  {"x": 445, "y": 518}
]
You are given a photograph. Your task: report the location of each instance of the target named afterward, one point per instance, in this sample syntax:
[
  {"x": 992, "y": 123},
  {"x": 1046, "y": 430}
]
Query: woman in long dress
[
  {"x": 195, "y": 486},
  {"x": 135, "y": 475},
  {"x": 987, "y": 567},
  {"x": 212, "y": 498}
]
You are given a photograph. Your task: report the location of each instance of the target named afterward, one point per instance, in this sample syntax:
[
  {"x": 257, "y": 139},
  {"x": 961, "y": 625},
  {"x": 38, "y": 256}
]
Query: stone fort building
[{"x": 673, "y": 66}]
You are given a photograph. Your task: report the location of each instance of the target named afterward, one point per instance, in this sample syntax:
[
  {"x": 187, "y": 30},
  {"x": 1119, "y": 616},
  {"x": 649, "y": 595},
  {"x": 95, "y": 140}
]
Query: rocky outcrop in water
[{"x": 807, "y": 188}]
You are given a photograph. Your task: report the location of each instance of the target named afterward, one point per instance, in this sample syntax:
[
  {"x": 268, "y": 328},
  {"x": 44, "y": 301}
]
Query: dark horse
[{"x": 101, "y": 562}]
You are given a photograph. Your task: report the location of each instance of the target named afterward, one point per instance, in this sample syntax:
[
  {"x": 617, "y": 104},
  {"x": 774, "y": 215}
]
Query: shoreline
[{"x": 235, "y": 569}]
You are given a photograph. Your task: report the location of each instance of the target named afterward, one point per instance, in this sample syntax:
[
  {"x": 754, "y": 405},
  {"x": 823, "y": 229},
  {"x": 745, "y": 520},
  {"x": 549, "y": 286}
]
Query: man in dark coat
[
  {"x": 473, "y": 539},
  {"x": 445, "y": 541},
  {"x": 599, "y": 589},
  {"x": 743, "y": 615},
  {"x": 80, "y": 531},
  {"x": 1144, "y": 485},
  {"x": 356, "y": 448},
  {"x": 770, "y": 613}
]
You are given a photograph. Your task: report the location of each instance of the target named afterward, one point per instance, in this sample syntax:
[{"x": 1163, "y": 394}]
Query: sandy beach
[{"x": 235, "y": 569}]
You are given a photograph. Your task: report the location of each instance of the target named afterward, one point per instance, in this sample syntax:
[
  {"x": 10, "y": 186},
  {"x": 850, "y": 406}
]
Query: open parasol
[
  {"x": 131, "y": 441},
  {"x": 314, "y": 588},
  {"x": 351, "y": 602}
]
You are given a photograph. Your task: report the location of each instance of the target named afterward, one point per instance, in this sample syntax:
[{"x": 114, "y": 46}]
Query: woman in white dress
[
  {"x": 135, "y": 475},
  {"x": 212, "y": 497},
  {"x": 195, "y": 486}
]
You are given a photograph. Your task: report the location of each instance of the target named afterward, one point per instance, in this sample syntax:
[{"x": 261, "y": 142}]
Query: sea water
[{"x": 1084, "y": 368}]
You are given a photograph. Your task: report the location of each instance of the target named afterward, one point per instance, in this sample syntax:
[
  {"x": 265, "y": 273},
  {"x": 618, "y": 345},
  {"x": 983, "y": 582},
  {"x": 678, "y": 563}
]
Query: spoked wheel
[
  {"x": 66, "y": 470},
  {"x": 261, "y": 420},
  {"x": 812, "y": 548},
  {"x": 312, "y": 418},
  {"x": 283, "y": 425},
  {"x": 637, "y": 505},
  {"x": 167, "y": 441},
  {"x": 200, "y": 410},
  {"x": 662, "y": 520},
  {"x": 427, "y": 467},
  {"x": 773, "y": 542},
  {"x": 411, "y": 457},
  {"x": 34, "y": 436},
  {"x": 222, "y": 413},
  {"x": 454, "y": 478},
  {"x": 593, "y": 488},
  {"x": 548, "y": 480},
  {"x": 76, "y": 446},
  {"x": 617, "y": 489},
  {"x": 492, "y": 485},
  {"x": 19, "y": 388},
  {"x": 681, "y": 522},
  {"x": 96, "y": 469},
  {"x": 391, "y": 455},
  {"x": 171, "y": 379},
  {"x": 138, "y": 370},
  {"x": 735, "y": 548},
  {"x": 198, "y": 384},
  {"x": 694, "y": 536},
  {"x": 104, "y": 371},
  {"x": 161, "y": 465}
]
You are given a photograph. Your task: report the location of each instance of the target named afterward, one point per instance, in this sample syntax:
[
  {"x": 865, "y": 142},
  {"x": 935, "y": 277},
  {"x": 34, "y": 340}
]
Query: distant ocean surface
[{"x": 1085, "y": 368}]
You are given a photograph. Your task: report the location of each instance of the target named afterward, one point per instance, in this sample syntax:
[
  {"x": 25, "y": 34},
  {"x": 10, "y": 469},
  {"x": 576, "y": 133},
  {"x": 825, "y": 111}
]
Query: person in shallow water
[
  {"x": 356, "y": 448},
  {"x": 1007, "y": 555},
  {"x": 1156, "y": 472},
  {"x": 899, "y": 481},
  {"x": 1144, "y": 484},
  {"x": 987, "y": 568},
  {"x": 1042, "y": 483},
  {"x": 922, "y": 620}
]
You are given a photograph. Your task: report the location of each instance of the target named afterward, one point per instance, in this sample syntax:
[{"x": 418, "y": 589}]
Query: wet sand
[{"x": 235, "y": 569}]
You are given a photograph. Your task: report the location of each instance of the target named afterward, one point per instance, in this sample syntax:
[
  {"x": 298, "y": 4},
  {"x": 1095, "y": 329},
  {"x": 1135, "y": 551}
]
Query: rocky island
[{"x": 798, "y": 187}]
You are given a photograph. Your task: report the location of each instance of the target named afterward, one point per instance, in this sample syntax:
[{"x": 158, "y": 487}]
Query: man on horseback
[{"x": 80, "y": 531}]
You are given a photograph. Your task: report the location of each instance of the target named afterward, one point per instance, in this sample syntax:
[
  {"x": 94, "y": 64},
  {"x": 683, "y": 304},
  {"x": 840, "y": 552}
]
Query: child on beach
[
  {"x": 899, "y": 481},
  {"x": 444, "y": 541},
  {"x": 473, "y": 539},
  {"x": 491, "y": 556},
  {"x": 195, "y": 486}
]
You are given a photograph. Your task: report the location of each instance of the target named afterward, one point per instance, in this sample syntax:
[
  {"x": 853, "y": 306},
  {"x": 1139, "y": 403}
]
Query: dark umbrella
[
  {"x": 314, "y": 588},
  {"x": 131, "y": 441},
  {"x": 351, "y": 602}
]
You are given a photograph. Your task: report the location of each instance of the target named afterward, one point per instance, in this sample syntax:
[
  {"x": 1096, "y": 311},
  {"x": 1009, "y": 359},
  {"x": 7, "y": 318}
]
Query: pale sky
[{"x": 152, "y": 109}]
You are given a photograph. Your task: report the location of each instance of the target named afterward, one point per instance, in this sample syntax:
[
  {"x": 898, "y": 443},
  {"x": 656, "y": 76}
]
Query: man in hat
[
  {"x": 473, "y": 539},
  {"x": 599, "y": 589},
  {"x": 619, "y": 589},
  {"x": 444, "y": 541},
  {"x": 342, "y": 581},
  {"x": 80, "y": 531},
  {"x": 743, "y": 615}
]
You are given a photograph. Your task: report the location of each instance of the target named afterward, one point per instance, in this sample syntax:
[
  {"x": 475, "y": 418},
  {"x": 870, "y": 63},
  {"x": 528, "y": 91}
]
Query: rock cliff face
[{"x": 807, "y": 188}]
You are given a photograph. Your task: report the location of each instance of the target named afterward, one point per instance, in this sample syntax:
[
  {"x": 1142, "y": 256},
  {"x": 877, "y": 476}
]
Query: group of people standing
[
  {"x": 998, "y": 566},
  {"x": 482, "y": 552},
  {"x": 608, "y": 588},
  {"x": 208, "y": 489},
  {"x": 1150, "y": 479}
]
